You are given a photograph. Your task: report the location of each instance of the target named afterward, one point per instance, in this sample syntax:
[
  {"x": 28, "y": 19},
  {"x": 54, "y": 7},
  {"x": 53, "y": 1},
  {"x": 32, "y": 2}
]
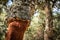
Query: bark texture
[
  {"x": 48, "y": 32},
  {"x": 16, "y": 30}
]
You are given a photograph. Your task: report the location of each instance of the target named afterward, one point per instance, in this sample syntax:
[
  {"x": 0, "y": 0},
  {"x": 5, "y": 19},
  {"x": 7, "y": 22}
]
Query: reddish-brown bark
[{"x": 16, "y": 29}]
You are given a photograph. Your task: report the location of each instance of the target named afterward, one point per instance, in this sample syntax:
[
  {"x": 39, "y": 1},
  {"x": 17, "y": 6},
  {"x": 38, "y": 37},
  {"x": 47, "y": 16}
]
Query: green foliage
[
  {"x": 56, "y": 23},
  {"x": 3, "y": 2},
  {"x": 2, "y": 25},
  {"x": 36, "y": 29}
]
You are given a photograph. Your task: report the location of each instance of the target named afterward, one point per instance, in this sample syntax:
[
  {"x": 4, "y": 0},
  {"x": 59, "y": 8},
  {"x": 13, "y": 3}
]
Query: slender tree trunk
[{"x": 48, "y": 32}]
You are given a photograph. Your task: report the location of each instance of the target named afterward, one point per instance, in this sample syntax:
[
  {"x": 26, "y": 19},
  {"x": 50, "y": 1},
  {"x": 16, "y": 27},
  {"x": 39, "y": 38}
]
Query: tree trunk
[
  {"x": 48, "y": 32},
  {"x": 16, "y": 30}
]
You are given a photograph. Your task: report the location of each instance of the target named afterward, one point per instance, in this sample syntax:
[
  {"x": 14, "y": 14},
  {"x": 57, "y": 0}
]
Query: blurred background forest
[{"x": 37, "y": 26}]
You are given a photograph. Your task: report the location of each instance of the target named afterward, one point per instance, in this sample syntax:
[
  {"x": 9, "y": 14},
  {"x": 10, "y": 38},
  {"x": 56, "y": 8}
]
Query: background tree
[{"x": 47, "y": 6}]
